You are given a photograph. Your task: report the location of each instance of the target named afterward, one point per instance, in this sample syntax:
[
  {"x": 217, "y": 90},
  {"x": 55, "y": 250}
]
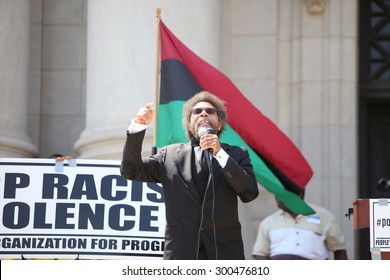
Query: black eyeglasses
[{"x": 198, "y": 111}]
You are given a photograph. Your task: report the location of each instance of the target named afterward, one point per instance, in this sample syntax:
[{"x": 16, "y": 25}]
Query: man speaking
[{"x": 200, "y": 199}]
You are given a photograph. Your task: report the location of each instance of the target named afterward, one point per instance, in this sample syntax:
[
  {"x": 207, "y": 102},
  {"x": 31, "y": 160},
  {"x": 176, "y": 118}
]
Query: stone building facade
[{"x": 73, "y": 73}]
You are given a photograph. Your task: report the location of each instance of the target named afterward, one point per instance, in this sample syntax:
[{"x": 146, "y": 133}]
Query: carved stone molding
[{"x": 316, "y": 7}]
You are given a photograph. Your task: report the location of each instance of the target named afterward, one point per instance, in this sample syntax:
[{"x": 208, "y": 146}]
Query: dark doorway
[
  {"x": 378, "y": 148},
  {"x": 374, "y": 107},
  {"x": 374, "y": 160},
  {"x": 374, "y": 148}
]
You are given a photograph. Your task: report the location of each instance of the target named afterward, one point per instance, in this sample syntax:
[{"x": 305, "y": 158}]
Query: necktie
[
  {"x": 203, "y": 175},
  {"x": 203, "y": 163}
]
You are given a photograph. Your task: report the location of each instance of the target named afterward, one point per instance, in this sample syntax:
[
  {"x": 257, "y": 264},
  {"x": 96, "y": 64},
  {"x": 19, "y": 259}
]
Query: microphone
[
  {"x": 383, "y": 184},
  {"x": 206, "y": 130}
]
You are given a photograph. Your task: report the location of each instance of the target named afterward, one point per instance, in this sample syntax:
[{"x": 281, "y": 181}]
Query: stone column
[
  {"x": 317, "y": 93},
  {"x": 121, "y": 63},
  {"x": 14, "y": 77}
]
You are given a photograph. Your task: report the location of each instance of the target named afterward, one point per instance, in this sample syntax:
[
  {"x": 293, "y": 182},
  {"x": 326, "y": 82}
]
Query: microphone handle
[
  {"x": 210, "y": 153},
  {"x": 209, "y": 157}
]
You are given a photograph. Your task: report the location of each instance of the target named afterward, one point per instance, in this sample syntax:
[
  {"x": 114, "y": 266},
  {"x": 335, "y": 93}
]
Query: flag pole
[{"x": 158, "y": 40}]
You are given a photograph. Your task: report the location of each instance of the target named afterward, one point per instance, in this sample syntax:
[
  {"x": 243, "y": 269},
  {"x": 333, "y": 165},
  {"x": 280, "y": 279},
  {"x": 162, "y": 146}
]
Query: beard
[{"x": 201, "y": 121}]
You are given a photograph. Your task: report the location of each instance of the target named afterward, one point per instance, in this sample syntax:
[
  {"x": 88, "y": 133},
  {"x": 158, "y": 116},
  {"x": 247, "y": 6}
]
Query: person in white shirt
[{"x": 285, "y": 235}]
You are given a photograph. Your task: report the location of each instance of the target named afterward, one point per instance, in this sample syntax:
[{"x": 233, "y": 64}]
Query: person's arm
[
  {"x": 261, "y": 248},
  {"x": 132, "y": 165},
  {"x": 240, "y": 175},
  {"x": 340, "y": 255},
  {"x": 334, "y": 240},
  {"x": 238, "y": 171}
]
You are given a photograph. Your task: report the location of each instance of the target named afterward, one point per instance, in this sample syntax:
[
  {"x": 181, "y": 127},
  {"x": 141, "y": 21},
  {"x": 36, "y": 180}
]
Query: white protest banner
[
  {"x": 380, "y": 224},
  {"x": 78, "y": 209}
]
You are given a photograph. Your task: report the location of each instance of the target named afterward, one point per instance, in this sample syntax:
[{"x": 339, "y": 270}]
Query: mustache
[
  {"x": 195, "y": 127},
  {"x": 205, "y": 120}
]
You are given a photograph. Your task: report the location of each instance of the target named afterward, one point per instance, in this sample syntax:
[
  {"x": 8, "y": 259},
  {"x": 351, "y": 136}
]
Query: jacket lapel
[
  {"x": 217, "y": 173},
  {"x": 184, "y": 156}
]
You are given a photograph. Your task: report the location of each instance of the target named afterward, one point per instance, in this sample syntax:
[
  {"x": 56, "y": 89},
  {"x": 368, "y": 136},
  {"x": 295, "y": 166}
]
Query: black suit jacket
[{"x": 172, "y": 168}]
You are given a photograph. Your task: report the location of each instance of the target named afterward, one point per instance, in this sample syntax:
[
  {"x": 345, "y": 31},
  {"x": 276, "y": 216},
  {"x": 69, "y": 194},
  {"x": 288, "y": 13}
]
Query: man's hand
[
  {"x": 145, "y": 114},
  {"x": 210, "y": 141}
]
